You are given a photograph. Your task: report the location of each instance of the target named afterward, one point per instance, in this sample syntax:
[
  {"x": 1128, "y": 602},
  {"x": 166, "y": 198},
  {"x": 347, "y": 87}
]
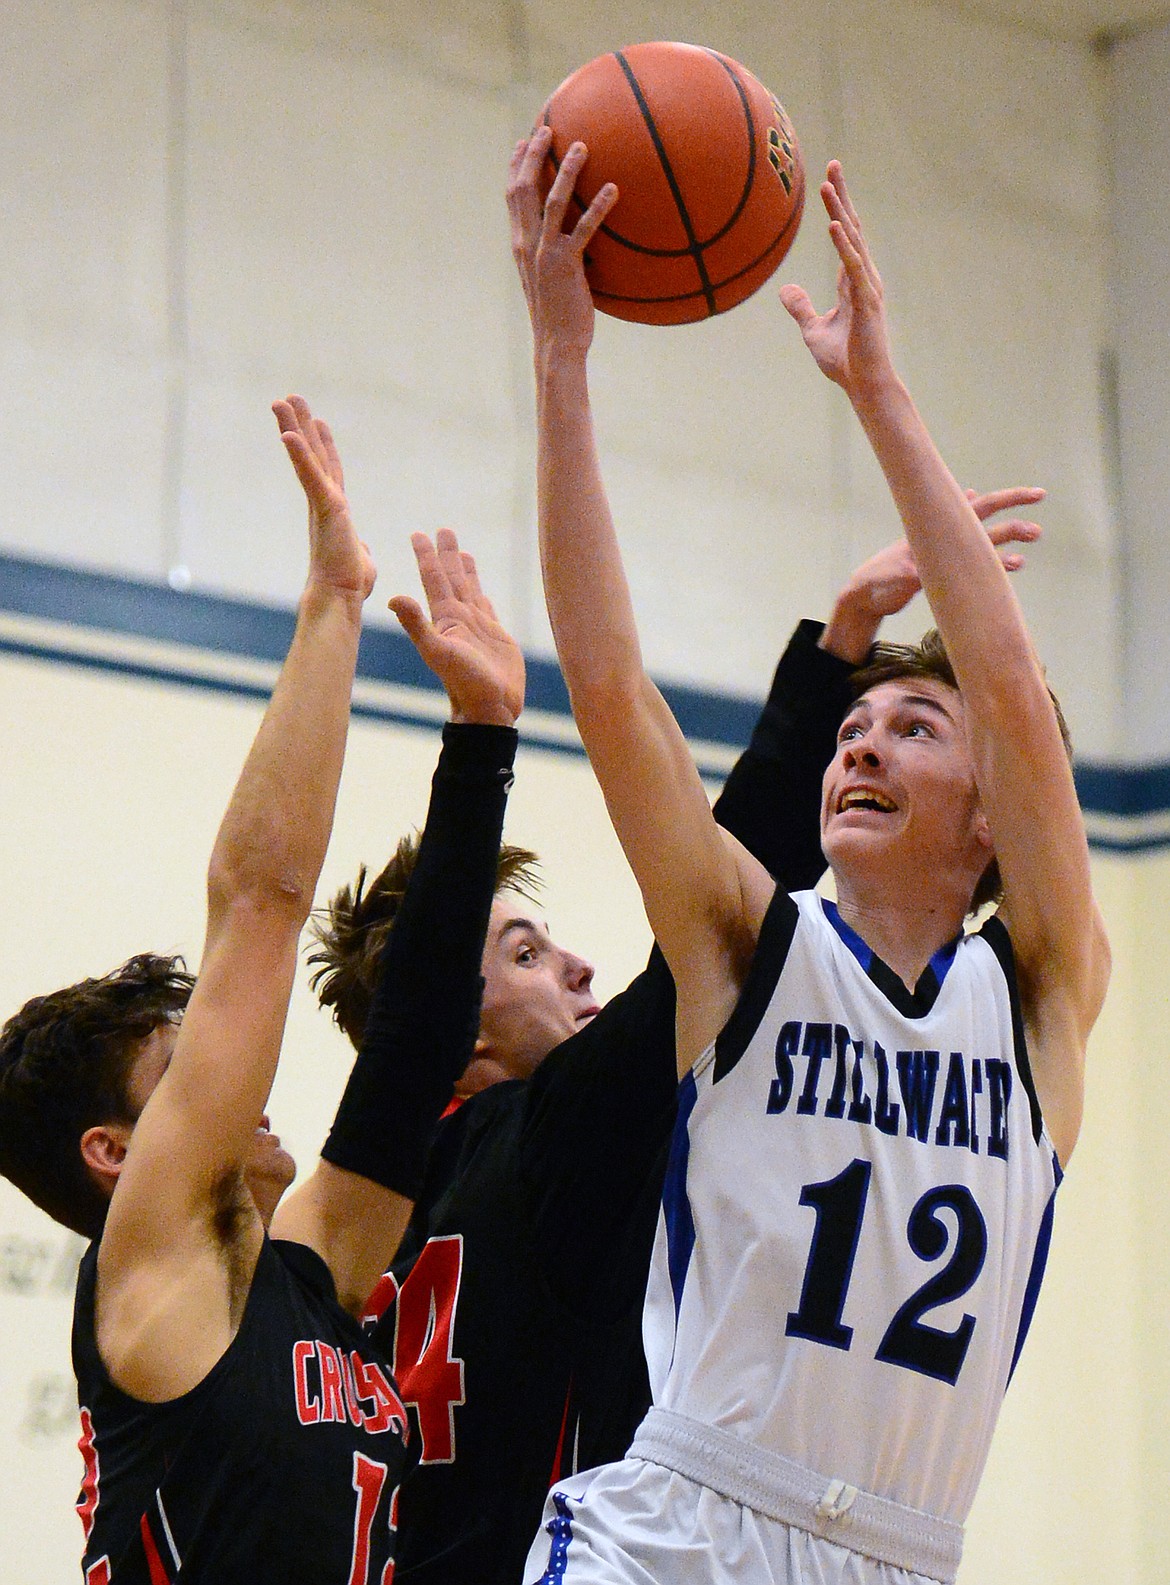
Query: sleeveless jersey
[
  {"x": 856, "y": 1212},
  {"x": 282, "y": 1464}
]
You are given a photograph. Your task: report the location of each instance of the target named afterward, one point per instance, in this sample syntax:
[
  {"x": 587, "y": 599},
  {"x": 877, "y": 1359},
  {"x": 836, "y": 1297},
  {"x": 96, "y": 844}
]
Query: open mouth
[{"x": 865, "y": 798}]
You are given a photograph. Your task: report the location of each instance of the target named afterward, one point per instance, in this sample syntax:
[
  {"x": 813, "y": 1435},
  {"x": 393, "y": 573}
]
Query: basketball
[{"x": 709, "y": 176}]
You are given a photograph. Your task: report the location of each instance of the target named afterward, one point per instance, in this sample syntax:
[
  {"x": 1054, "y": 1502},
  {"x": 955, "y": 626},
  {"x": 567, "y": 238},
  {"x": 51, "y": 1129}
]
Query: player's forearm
[
  {"x": 965, "y": 583},
  {"x": 585, "y": 585},
  {"x": 852, "y": 628},
  {"x": 273, "y": 838},
  {"x": 424, "y": 1016}
]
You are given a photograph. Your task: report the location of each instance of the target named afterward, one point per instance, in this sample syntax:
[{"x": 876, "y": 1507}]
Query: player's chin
[
  {"x": 270, "y": 1162},
  {"x": 854, "y": 832}
]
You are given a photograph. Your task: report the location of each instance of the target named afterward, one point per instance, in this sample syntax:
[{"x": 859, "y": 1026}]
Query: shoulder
[
  {"x": 1050, "y": 1027},
  {"x": 480, "y": 1129},
  {"x": 295, "y": 1263},
  {"x": 777, "y": 930}
]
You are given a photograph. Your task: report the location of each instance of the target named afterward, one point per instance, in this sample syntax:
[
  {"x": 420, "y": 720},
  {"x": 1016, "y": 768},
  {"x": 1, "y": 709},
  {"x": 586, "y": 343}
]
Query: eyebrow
[
  {"x": 914, "y": 699},
  {"x": 518, "y": 924},
  {"x": 921, "y": 699}
]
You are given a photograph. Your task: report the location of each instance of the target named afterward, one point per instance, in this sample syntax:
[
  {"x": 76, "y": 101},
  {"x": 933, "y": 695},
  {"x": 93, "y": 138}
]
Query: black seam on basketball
[
  {"x": 695, "y": 250},
  {"x": 751, "y": 132},
  {"x": 683, "y": 297}
]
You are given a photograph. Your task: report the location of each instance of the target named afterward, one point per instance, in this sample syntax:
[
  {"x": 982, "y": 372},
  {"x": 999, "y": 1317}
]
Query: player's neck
[{"x": 905, "y": 930}]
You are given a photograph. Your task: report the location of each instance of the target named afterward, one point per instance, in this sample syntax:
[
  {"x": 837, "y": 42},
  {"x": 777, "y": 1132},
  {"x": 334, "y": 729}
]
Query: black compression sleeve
[
  {"x": 424, "y": 1016},
  {"x": 772, "y": 799}
]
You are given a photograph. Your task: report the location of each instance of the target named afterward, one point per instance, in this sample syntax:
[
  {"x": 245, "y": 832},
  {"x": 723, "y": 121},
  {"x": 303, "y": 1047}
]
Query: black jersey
[
  {"x": 512, "y": 1308},
  {"x": 281, "y": 1465}
]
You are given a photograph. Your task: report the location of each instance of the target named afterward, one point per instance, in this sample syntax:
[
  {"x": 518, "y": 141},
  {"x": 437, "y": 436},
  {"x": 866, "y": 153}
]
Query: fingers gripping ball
[{"x": 709, "y": 176}]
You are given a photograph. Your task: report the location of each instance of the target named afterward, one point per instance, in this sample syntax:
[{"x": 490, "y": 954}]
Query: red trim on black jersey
[
  {"x": 154, "y": 1562},
  {"x": 557, "y": 1472}
]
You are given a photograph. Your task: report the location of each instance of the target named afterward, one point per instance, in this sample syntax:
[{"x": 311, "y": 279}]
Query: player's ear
[
  {"x": 103, "y": 1149},
  {"x": 983, "y": 834}
]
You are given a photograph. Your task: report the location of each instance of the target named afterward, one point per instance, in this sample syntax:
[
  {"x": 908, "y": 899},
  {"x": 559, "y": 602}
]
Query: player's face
[
  {"x": 535, "y": 993},
  {"x": 268, "y": 1169},
  {"x": 901, "y": 786}
]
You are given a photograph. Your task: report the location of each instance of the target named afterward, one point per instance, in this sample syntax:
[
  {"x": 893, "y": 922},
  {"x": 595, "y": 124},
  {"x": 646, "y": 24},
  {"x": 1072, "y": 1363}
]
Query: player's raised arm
[
  {"x": 420, "y": 1032},
  {"x": 692, "y": 878},
  {"x": 184, "y": 1227},
  {"x": 1023, "y": 775}
]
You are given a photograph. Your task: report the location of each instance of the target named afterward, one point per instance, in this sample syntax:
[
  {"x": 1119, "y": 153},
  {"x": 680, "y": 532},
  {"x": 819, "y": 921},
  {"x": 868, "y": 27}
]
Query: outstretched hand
[
  {"x": 551, "y": 261},
  {"x": 850, "y": 343},
  {"x": 337, "y": 557},
  {"x": 479, "y": 664},
  {"x": 887, "y": 582}
]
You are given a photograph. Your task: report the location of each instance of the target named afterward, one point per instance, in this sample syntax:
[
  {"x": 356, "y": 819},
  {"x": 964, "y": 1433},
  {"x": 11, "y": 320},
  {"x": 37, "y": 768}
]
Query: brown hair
[
  {"x": 352, "y": 931},
  {"x": 929, "y": 659},
  {"x": 65, "y": 1062}
]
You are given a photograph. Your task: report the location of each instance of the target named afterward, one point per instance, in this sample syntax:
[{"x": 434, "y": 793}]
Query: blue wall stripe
[
  {"x": 241, "y": 689},
  {"x": 114, "y": 604},
  {"x": 1124, "y": 789}
]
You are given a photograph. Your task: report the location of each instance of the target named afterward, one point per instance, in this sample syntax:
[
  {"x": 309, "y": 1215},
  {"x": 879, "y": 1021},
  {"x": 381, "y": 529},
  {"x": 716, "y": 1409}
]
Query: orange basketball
[{"x": 709, "y": 176}]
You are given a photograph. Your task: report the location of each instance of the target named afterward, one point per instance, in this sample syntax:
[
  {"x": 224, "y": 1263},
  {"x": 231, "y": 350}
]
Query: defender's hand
[
  {"x": 888, "y": 581},
  {"x": 479, "y": 664},
  {"x": 337, "y": 557}
]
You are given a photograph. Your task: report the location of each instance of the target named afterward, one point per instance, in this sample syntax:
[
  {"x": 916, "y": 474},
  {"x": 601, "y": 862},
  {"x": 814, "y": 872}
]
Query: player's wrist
[
  {"x": 877, "y": 389},
  {"x": 325, "y": 595},
  {"x": 483, "y": 713},
  {"x": 559, "y": 354},
  {"x": 852, "y": 627}
]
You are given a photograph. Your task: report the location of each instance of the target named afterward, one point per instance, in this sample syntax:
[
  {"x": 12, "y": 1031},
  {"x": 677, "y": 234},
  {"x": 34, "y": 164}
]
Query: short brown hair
[
  {"x": 352, "y": 931},
  {"x": 929, "y": 659},
  {"x": 65, "y": 1062}
]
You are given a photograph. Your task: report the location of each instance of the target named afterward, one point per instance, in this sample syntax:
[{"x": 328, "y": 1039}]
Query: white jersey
[{"x": 856, "y": 1212}]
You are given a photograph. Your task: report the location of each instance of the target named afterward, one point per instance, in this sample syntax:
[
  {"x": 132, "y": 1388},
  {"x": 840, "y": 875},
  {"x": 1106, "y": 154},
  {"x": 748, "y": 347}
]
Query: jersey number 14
[{"x": 429, "y": 1375}]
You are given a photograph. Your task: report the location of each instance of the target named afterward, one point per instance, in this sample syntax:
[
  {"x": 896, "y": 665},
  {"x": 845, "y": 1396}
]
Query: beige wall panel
[
  {"x": 346, "y": 217},
  {"x": 82, "y": 183},
  {"x": 407, "y": 467},
  {"x": 85, "y": 428},
  {"x": 1082, "y": 1442},
  {"x": 83, "y": 331},
  {"x": 719, "y": 568},
  {"x": 984, "y": 195},
  {"x": 473, "y": 42}
]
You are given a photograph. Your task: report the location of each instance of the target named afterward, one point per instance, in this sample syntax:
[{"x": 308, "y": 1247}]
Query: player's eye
[
  {"x": 920, "y": 729},
  {"x": 851, "y": 729},
  {"x": 525, "y": 955}
]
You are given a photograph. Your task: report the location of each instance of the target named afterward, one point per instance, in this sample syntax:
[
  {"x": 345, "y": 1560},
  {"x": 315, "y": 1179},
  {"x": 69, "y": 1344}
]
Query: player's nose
[
  {"x": 578, "y": 973},
  {"x": 862, "y": 751}
]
